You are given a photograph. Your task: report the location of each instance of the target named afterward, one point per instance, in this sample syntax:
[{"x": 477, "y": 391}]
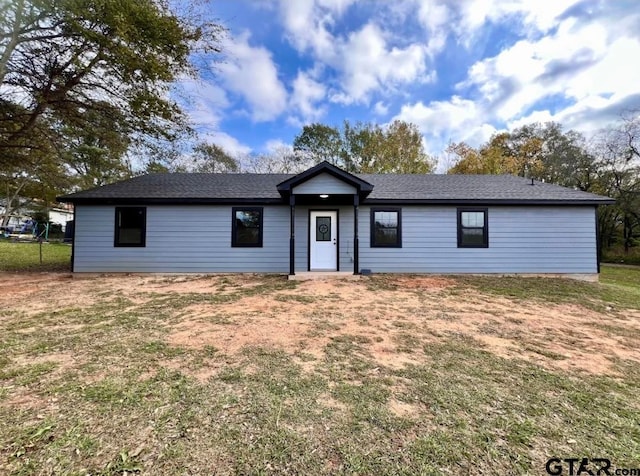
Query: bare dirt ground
[{"x": 389, "y": 324}]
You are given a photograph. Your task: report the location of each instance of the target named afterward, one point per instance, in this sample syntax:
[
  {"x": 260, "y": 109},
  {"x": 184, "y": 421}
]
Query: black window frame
[
  {"x": 398, "y": 243},
  {"x": 143, "y": 230},
  {"x": 485, "y": 228},
  {"x": 234, "y": 231}
]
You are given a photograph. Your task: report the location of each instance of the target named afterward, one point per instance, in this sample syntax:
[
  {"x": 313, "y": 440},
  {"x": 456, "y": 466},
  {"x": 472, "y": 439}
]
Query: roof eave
[
  {"x": 458, "y": 201},
  {"x": 170, "y": 201},
  {"x": 280, "y": 201}
]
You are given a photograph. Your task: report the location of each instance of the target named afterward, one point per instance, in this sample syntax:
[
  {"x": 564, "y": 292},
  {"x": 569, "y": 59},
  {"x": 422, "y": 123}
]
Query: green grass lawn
[
  {"x": 20, "y": 256},
  {"x": 259, "y": 375},
  {"x": 619, "y": 286}
]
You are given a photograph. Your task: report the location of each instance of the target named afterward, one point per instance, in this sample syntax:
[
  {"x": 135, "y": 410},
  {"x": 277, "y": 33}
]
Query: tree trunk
[
  {"x": 9, "y": 203},
  {"x": 15, "y": 36},
  {"x": 626, "y": 233}
]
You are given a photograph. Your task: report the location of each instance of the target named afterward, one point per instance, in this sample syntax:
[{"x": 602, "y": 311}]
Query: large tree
[
  {"x": 280, "y": 160},
  {"x": 19, "y": 187},
  {"x": 95, "y": 156},
  {"x": 618, "y": 159},
  {"x": 401, "y": 150},
  {"x": 321, "y": 142},
  {"x": 212, "y": 158},
  {"x": 366, "y": 147},
  {"x": 84, "y": 81},
  {"x": 540, "y": 151}
]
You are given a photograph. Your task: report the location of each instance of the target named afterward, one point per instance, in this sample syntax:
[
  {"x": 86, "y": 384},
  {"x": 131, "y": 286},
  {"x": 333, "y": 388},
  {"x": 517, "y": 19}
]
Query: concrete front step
[{"x": 319, "y": 275}]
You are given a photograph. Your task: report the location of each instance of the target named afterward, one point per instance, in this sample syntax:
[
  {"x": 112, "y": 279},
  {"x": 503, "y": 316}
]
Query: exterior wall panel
[
  {"x": 521, "y": 240},
  {"x": 536, "y": 239},
  {"x": 180, "y": 239}
]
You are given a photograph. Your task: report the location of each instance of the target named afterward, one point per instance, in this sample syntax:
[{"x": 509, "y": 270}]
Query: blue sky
[{"x": 460, "y": 70}]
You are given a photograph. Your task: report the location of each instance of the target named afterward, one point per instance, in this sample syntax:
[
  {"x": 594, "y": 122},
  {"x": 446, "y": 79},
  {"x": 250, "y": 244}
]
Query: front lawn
[{"x": 259, "y": 375}]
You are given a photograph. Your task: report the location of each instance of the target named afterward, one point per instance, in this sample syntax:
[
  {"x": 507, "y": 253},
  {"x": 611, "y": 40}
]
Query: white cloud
[
  {"x": 587, "y": 64},
  {"x": 277, "y": 145},
  {"x": 587, "y": 116},
  {"x": 229, "y": 143},
  {"x": 465, "y": 19},
  {"x": 367, "y": 64},
  {"x": 438, "y": 117},
  {"x": 436, "y": 19},
  {"x": 305, "y": 96},
  {"x": 443, "y": 121},
  {"x": 337, "y": 6},
  {"x": 363, "y": 60},
  {"x": 305, "y": 24},
  {"x": 380, "y": 108},
  {"x": 535, "y": 15},
  {"x": 528, "y": 71},
  {"x": 251, "y": 73}
]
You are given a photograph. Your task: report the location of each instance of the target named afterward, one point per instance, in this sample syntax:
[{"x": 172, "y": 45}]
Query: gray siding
[
  {"x": 180, "y": 239},
  {"x": 521, "y": 240},
  {"x": 324, "y": 183},
  {"x": 198, "y": 239}
]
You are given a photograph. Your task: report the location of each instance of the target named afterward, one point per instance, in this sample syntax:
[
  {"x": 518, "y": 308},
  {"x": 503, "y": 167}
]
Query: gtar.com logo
[
  {"x": 586, "y": 466},
  {"x": 577, "y": 466}
]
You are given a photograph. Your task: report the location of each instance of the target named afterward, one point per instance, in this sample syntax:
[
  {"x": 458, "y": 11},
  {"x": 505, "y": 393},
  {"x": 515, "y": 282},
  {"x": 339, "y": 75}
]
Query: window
[
  {"x": 246, "y": 229},
  {"x": 323, "y": 228},
  {"x": 131, "y": 226},
  {"x": 386, "y": 228},
  {"x": 473, "y": 228}
]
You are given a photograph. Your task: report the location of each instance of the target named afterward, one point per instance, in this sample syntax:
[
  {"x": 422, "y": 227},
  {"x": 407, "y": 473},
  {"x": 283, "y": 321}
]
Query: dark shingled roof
[{"x": 193, "y": 187}]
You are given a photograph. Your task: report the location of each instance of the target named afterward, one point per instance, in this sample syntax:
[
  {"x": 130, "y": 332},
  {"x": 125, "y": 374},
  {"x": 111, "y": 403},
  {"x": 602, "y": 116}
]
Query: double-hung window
[
  {"x": 246, "y": 227},
  {"x": 131, "y": 226},
  {"x": 473, "y": 228},
  {"x": 386, "y": 228}
]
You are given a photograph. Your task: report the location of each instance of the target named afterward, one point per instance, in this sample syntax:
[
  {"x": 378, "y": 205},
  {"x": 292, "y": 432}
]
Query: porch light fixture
[{"x": 324, "y": 195}]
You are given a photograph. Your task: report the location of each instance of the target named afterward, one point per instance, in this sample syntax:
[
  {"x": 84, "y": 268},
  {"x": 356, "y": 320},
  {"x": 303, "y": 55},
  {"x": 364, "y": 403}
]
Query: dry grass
[{"x": 257, "y": 375}]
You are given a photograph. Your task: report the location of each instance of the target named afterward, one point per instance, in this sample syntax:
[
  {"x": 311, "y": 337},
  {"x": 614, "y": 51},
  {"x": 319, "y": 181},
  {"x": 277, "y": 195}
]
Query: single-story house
[{"x": 326, "y": 219}]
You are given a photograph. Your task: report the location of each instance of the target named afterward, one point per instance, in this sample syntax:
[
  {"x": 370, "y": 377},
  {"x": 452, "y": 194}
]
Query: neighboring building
[
  {"x": 22, "y": 216},
  {"x": 61, "y": 215},
  {"x": 326, "y": 219}
]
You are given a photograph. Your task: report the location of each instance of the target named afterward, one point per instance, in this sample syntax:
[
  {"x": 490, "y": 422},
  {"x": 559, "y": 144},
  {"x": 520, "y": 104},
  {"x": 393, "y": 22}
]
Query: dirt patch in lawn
[
  {"x": 402, "y": 409},
  {"x": 567, "y": 337},
  {"x": 388, "y": 320},
  {"x": 391, "y": 325},
  {"x": 251, "y": 325},
  {"x": 62, "y": 360},
  {"x": 24, "y": 286},
  {"x": 24, "y": 401}
]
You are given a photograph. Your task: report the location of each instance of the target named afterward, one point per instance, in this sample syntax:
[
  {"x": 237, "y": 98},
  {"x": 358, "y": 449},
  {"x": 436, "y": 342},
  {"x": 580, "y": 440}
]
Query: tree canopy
[
  {"x": 618, "y": 175},
  {"x": 84, "y": 82},
  {"x": 68, "y": 61},
  {"x": 366, "y": 147},
  {"x": 212, "y": 158},
  {"x": 540, "y": 151}
]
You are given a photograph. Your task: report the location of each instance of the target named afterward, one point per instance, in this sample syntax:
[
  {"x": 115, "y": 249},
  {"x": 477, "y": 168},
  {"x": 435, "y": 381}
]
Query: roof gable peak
[{"x": 362, "y": 186}]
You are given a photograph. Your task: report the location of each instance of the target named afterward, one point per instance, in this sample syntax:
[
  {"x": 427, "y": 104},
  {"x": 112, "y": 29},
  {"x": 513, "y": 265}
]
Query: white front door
[{"x": 323, "y": 241}]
